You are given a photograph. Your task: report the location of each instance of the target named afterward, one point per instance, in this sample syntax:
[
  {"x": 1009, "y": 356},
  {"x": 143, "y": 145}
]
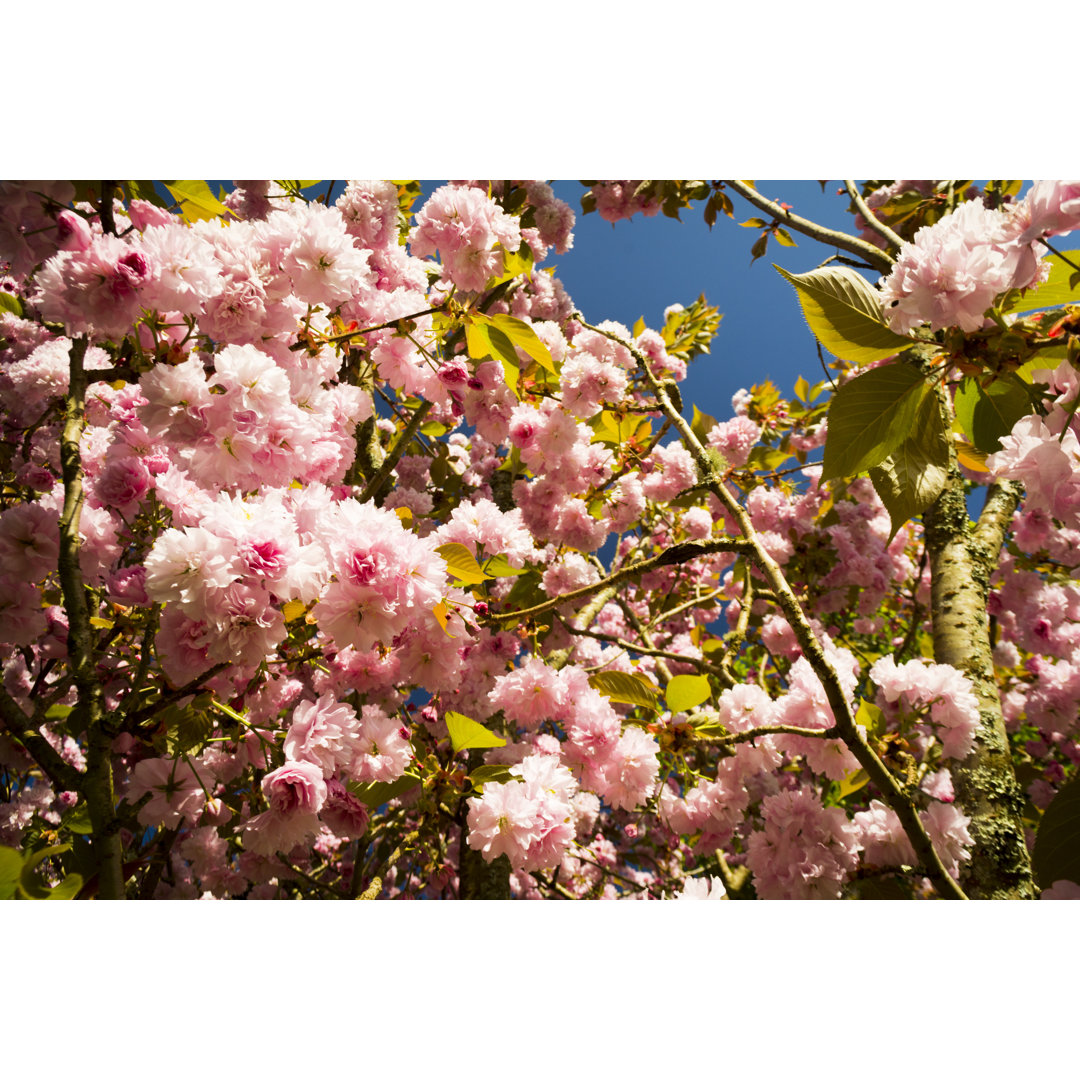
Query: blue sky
[{"x": 639, "y": 267}]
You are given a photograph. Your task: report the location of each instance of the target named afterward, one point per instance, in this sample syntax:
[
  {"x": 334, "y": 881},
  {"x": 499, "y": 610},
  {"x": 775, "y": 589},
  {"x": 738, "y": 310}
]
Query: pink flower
[
  {"x": 1061, "y": 890},
  {"x": 343, "y": 813},
  {"x": 177, "y": 793},
  {"x": 323, "y": 733},
  {"x": 469, "y": 231},
  {"x": 804, "y": 852},
  {"x": 531, "y": 822},
  {"x": 383, "y": 749},
  {"x": 530, "y": 694},
  {"x": 297, "y": 787},
  {"x": 72, "y": 231},
  {"x": 953, "y": 270}
]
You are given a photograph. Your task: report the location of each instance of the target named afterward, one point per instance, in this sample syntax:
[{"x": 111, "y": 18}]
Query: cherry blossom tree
[{"x": 344, "y": 557}]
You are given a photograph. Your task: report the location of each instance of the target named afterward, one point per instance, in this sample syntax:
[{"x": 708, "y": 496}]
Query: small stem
[
  {"x": 873, "y": 255},
  {"x": 893, "y": 794},
  {"x": 679, "y": 553},
  {"x": 396, "y": 451},
  {"x": 1064, "y": 258},
  {"x": 872, "y": 222}
]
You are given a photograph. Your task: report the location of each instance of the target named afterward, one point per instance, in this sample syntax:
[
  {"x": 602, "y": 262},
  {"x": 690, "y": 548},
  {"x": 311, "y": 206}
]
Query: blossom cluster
[{"x": 299, "y": 582}]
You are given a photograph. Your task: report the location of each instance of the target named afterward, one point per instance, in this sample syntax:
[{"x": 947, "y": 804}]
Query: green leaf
[
  {"x": 843, "y": 310},
  {"x": 477, "y": 342},
  {"x": 145, "y": 190},
  {"x": 188, "y": 728},
  {"x": 702, "y": 423},
  {"x": 9, "y": 302},
  {"x": 802, "y": 388},
  {"x": 854, "y": 781},
  {"x": 499, "y": 566},
  {"x": 683, "y": 692},
  {"x": 67, "y": 889},
  {"x": 524, "y": 337},
  {"x": 467, "y": 734},
  {"x": 1062, "y": 287},
  {"x": 754, "y": 223},
  {"x": 1056, "y": 856},
  {"x": 515, "y": 263},
  {"x": 462, "y": 564},
  {"x": 987, "y": 413},
  {"x": 197, "y": 201},
  {"x": 870, "y": 717},
  {"x": 376, "y": 793},
  {"x": 10, "y": 868},
  {"x": 627, "y": 689},
  {"x": 58, "y": 712},
  {"x": 30, "y": 885},
  {"x": 526, "y": 593},
  {"x": 884, "y": 888},
  {"x": 77, "y": 820},
  {"x": 491, "y": 774},
  {"x": 784, "y": 237},
  {"x": 916, "y": 473},
  {"x": 870, "y": 417}
]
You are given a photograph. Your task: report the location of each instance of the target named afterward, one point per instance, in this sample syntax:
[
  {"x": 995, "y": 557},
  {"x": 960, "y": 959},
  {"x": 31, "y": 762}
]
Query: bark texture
[
  {"x": 480, "y": 880},
  {"x": 97, "y": 782},
  {"x": 962, "y": 560}
]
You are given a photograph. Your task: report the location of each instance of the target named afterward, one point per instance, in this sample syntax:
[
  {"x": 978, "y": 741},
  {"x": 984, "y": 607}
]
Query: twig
[
  {"x": 872, "y": 222},
  {"x": 877, "y": 258},
  {"x": 679, "y": 553}
]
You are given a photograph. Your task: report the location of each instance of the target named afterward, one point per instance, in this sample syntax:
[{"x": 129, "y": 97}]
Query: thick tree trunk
[
  {"x": 962, "y": 560},
  {"x": 97, "y": 782},
  {"x": 480, "y": 880}
]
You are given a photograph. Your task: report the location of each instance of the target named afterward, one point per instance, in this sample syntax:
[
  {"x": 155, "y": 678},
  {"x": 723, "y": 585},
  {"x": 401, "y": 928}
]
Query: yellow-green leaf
[
  {"x": 988, "y": 413},
  {"x": 844, "y": 312},
  {"x": 30, "y": 885},
  {"x": 442, "y": 613},
  {"x": 627, "y": 689},
  {"x": 524, "y": 337},
  {"x": 197, "y": 201},
  {"x": 852, "y": 783},
  {"x": 462, "y": 564},
  {"x": 467, "y": 734},
  {"x": 870, "y": 417},
  {"x": 10, "y": 869},
  {"x": 702, "y": 423},
  {"x": 492, "y": 774},
  {"x": 1062, "y": 287},
  {"x": 378, "y": 792},
  {"x": 499, "y": 566},
  {"x": 915, "y": 473},
  {"x": 685, "y": 691},
  {"x": 870, "y": 717},
  {"x": 477, "y": 343}
]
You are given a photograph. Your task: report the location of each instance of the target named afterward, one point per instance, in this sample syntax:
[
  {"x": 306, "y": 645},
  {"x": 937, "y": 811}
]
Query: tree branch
[
  {"x": 877, "y": 258},
  {"x": 846, "y": 727},
  {"x": 872, "y": 222},
  {"x": 65, "y": 777},
  {"x": 678, "y": 553},
  {"x": 98, "y": 780}
]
